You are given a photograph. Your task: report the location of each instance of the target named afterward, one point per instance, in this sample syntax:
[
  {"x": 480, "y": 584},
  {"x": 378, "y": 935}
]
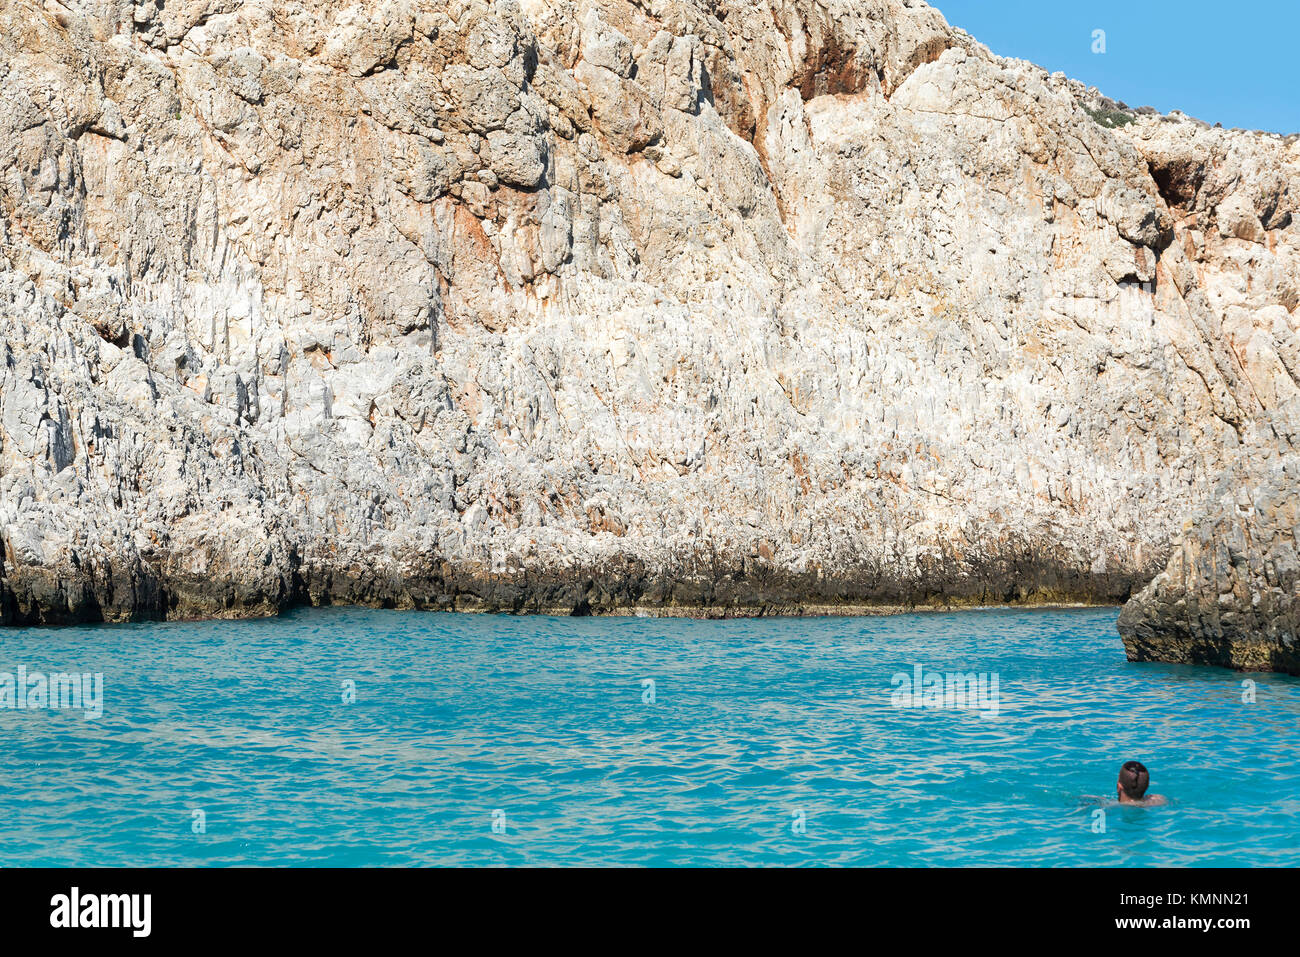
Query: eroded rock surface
[
  {"x": 1229, "y": 593},
  {"x": 726, "y": 306}
]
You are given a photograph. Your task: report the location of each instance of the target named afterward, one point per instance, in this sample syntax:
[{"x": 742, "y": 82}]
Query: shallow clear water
[{"x": 755, "y": 726}]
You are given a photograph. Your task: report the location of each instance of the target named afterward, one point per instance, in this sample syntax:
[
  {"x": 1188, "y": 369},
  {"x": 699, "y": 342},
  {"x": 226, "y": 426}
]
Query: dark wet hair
[{"x": 1134, "y": 779}]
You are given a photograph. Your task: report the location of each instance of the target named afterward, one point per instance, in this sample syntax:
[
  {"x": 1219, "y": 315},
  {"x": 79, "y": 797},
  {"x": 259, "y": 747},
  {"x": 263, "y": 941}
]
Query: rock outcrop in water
[
  {"x": 717, "y": 307},
  {"x": 1229, "y": 595}
]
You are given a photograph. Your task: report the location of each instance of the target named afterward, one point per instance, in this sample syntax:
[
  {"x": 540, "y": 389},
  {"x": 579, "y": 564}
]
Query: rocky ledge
[{"x": 678, "y": 305}]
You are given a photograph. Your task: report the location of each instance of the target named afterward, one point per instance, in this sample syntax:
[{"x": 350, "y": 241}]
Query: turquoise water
[{"x": 755, "y": 727}]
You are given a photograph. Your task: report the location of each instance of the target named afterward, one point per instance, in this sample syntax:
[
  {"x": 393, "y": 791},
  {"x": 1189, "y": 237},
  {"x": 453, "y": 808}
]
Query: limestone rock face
[
  {"x": 1230, "y": 594},
  {"x": 773, "y": 305}
]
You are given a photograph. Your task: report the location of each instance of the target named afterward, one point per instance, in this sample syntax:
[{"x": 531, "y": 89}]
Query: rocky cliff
[{"x": 716, "y": 307}]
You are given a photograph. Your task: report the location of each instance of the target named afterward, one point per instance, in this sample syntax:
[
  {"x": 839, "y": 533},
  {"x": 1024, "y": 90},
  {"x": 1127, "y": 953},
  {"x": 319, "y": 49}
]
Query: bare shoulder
[{"x": 1155, "y": 800}]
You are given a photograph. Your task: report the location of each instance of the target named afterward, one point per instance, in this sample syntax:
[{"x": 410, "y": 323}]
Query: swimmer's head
[{"x": 1134, "y": 779}]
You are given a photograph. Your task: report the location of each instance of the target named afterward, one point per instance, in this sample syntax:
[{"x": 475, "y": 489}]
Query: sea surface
[{"x": 364, "y": 737}]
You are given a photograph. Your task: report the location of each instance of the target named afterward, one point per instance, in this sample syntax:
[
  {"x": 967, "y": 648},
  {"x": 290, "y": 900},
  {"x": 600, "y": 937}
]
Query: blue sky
[{"x": 1233, "y": 62}]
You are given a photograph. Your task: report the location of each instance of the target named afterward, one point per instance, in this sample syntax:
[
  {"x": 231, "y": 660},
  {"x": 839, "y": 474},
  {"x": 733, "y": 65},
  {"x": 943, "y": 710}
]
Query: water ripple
[{"x": 506, "y": 741}]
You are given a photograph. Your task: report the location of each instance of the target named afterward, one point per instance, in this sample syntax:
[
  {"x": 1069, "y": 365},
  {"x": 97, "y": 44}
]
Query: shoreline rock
[
  {"x": 1230, "y": 595},
  {"x": 706, "y": 590}
]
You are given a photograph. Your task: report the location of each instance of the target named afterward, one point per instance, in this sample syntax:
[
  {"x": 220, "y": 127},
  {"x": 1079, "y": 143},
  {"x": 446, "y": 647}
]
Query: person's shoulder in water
[{"x": 1131, "y": 788}]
